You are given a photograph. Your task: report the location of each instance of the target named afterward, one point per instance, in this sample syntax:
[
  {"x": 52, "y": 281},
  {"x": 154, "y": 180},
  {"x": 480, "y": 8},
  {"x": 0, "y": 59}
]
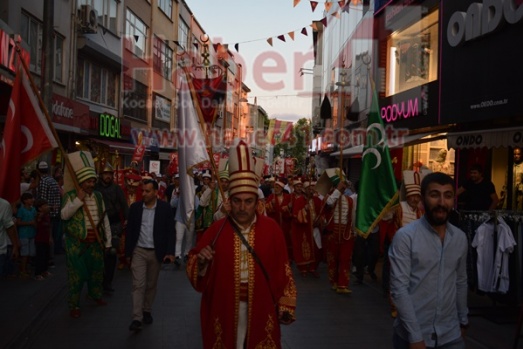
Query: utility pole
[{"x": 46, "y": 87}]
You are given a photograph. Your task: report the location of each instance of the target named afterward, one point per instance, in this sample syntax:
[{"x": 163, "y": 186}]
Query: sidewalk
[{"x": 35, "y": 315}]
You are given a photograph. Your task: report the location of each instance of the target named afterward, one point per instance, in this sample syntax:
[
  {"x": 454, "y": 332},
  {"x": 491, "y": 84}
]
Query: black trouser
[
  {"x": 110, "y": 257},
  {"x": 42, "y": 250},
  {"x": 366, "y": 253},
  {"x": 109, "y": 267}
]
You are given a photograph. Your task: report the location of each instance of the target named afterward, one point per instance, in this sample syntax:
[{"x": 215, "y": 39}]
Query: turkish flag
[
  {"x": 173, "y": 164},
  {"x": 27, "y": 135},
  {"x": 139, "y": 151}
]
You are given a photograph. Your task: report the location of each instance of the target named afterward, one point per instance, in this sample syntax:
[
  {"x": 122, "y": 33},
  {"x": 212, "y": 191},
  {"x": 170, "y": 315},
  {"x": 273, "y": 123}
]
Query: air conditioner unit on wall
[{"x": 88, "y": 19}]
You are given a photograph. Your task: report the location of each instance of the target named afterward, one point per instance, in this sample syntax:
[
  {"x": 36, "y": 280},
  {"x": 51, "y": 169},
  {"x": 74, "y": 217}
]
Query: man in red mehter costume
[
  {"x": 245, "y": 295},
  {"x": 305, "y": 212},
  {"x": 277, "y": 206},
  {"x": 340, "y": 238}
]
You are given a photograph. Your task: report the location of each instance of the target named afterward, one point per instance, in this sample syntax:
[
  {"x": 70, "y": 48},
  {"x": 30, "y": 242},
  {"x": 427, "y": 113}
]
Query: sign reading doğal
[
  {"x": 481, "y": 64},
  {"x": 109, "y": 126}
]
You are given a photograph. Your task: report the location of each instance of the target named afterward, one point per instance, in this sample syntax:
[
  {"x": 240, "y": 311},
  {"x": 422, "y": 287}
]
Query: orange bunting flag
[
  {"x": 314, "y": 26},
  {"x": 335, "y": 14},
  {"x": 291, "y": 35},
  {"x": 324, "y": 21},
  {"x": 304, "y": 31},
  {"x": 313, "y": 5},
  {"x": 296, "y": 2},
  {"x": 281, "y": 37},
  {"x": 328, "y": 6},
  {"x": 269, "y": 40}
]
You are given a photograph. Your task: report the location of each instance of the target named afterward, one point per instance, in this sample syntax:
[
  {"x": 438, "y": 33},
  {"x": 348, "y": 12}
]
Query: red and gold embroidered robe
[
  {"x": 304, "y": 248},
  {"x": 220, "y": 286},
  {"x": 279, "y": 209}
]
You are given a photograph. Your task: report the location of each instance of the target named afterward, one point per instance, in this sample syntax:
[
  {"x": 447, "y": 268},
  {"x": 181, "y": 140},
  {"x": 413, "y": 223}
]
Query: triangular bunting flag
[
  {"x": 237, "y": 47},
  {"x": 196, "y": 45},
  {"x": 313, "y": 5},
  {"x": 177, "y": 43},
  {"x": 341, "y": 3},
  {"x": 324, "y": 21},
  {"x": 215, "y": 46},
  {"x": 345, "y": 8},
  {"x": 136, "y": 37},
  {"x": 328, "y": 6},
  {"x": 314, "y": 26},
  {"x": 335, "y": 14},
  {"x": 281, "y": 37},
  {"x": 304, "y": 31},
  {"x": 296, "y": 2},
  {"x": 291, "y": 35},
  {"x": 269, "y": 40}
]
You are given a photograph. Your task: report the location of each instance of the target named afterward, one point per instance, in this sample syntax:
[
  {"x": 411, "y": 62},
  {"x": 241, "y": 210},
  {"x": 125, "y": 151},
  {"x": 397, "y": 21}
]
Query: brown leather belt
[{"x": 91, "y": 236}]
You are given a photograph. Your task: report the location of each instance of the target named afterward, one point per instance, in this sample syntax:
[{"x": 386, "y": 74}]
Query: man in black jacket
[
  {"x": 116, "y": 209},
  {"x": 150, "y": 240}
]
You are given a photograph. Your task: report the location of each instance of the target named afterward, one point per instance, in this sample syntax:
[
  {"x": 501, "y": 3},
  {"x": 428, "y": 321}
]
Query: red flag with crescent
[{"x": 27, "y": 135}]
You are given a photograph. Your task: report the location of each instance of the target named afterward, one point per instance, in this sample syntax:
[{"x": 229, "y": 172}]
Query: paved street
[{"x": 35, "y": 315}]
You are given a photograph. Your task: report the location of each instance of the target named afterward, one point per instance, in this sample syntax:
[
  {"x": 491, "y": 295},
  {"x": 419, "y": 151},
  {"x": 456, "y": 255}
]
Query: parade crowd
[{"x": 247, "y": 237}]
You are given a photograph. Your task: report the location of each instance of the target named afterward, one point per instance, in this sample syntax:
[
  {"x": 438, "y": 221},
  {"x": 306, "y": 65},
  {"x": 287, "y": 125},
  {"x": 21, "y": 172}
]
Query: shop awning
[
  {"x": 504, "y": 137},
  {"x": 124, "y": 147},
  {"x": 408, "y": 140}
]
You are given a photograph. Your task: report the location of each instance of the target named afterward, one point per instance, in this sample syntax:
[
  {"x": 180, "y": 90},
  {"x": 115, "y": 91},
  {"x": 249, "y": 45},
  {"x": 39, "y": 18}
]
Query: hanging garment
[{"x": 493, "y": 244}]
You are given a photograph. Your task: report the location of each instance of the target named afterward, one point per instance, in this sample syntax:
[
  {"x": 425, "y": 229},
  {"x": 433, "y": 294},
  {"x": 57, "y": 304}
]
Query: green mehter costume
[{"x": 83, "y": 251}]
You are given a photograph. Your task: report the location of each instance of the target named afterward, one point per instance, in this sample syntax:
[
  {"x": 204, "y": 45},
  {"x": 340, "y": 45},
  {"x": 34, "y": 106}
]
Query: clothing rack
[{"x": 515, "y": 218}]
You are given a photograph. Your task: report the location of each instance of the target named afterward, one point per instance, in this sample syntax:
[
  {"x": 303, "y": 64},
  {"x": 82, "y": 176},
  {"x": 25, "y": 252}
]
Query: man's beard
[{"x": 437, "y": 221}]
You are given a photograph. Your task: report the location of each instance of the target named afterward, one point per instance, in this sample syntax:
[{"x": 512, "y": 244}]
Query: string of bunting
[{"x": 343, "y": 8}]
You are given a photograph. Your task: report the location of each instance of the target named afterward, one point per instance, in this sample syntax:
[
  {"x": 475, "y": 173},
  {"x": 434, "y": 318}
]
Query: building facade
[{"x": 116, "y": 70}]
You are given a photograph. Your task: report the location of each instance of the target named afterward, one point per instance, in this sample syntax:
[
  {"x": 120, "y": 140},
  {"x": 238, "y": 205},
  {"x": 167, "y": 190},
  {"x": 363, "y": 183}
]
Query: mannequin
[
  {"x": 441, "y": 164},
  {"x": 516, "y": 187}
]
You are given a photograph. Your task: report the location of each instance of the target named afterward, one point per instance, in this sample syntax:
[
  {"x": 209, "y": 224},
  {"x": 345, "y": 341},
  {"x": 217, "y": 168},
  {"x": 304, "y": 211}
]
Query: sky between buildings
[{"x": 272, "y": 73}]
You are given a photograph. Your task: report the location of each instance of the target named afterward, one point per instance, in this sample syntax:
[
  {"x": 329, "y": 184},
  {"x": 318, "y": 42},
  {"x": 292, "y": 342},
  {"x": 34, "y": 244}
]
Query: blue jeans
[{"x": 400, "y": 343}]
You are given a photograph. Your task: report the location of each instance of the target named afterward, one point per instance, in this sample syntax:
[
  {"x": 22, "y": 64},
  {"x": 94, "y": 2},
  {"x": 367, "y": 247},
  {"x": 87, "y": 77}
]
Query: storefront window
[{"x": 412, "y": 55}]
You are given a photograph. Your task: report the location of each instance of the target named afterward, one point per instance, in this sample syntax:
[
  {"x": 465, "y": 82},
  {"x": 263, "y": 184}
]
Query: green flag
[{"x": 377, "y": 190}]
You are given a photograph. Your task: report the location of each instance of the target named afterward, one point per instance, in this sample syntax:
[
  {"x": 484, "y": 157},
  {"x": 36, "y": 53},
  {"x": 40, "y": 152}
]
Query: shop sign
[
  {"x": 486, "y": 138},
  {"x": 481, "y": 19},
  {"x": 413, "y": 108},
  {"x": 162, "y": 108},
  {"x": 8, "y": 55},
  {"x": 109, "y": 126},
  {"x": 66, "y": 111}
]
